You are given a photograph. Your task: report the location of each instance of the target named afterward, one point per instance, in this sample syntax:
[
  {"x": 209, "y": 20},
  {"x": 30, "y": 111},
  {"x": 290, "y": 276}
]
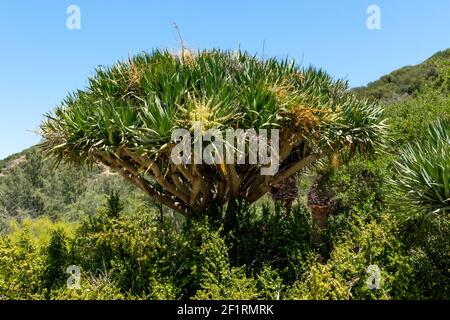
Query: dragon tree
[{"x": 125, "y": 117}]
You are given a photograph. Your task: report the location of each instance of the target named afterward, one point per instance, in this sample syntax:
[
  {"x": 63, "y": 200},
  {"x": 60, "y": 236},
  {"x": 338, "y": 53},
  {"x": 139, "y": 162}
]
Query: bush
[
  {"x": 92, "y": 288},
  {"x": 56, "y": 261},
  {"x": 268, "y": 237},
  {"x": 360, "y": 183},
  {"x": 426, "y": 242},
  {"x": 138, "y": 256},
  {"x": 229, "y": 284},
  {"x": 21, "y": 268},
  {"x": 363, "y": 240},
  {"x": 319, "y": 283}
]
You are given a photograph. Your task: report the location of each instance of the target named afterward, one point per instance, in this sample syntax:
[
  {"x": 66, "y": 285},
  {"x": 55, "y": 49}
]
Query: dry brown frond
[
  {"x": 188, "y": 57},
  {"x": 304, "y": 121},
  {"x": 283, "y": 90},
  {"x": 134, "y": 76},
  {"x": 335, "y": 160}
]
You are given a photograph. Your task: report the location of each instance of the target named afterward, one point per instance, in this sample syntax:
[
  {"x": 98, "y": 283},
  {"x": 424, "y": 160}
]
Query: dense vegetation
[{"x": 390, "y": 211}]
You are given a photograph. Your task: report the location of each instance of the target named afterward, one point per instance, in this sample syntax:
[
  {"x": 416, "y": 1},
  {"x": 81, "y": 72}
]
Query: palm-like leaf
[
  {"x": 127, "y": 114},
  {"x": 423, "y": 171}
]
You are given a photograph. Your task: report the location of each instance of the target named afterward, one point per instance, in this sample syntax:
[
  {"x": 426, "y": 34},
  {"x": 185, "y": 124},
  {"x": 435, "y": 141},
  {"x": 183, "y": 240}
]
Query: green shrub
[
  {"x": 427, "y": 245},
  {"x": 363, "y": 240},
  {"x": 91, "y": 288},
  {"x": 21, "y": 268},
  {"x": 360, "y": 182},
  {"x": 138, "y": 256},
  {"x": 230, "y": 284},
  {"x": 319, "y": 283},
  {"x": 268, "y": 237},
  {"x": 269, "y": 284},
  {"x": 56, "y": 261}
]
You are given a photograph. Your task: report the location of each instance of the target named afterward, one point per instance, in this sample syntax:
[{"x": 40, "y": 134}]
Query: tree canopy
[{"x": 126, "y": 115}]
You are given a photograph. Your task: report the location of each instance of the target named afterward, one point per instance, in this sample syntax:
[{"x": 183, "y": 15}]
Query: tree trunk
[{"x": 321, "y": 201}]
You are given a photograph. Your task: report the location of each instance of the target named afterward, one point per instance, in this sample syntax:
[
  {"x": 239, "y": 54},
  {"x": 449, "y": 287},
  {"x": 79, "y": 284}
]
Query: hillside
[
  {"x": 411, "y": 81},
  {"x": 7, "y": 164},
  {"x": 30, "y": 186},
  {"x": 413, "y": 96}
]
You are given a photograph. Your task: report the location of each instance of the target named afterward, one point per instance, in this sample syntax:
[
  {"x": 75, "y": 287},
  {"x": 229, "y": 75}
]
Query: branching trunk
[{"x": 198, "y": 188}]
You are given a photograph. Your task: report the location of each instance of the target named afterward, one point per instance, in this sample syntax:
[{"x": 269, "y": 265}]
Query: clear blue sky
[{"x": 41, "y": 60}]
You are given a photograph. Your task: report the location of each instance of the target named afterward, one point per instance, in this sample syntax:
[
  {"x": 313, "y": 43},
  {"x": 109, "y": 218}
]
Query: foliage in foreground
[{"x": 140, "y": 257}]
